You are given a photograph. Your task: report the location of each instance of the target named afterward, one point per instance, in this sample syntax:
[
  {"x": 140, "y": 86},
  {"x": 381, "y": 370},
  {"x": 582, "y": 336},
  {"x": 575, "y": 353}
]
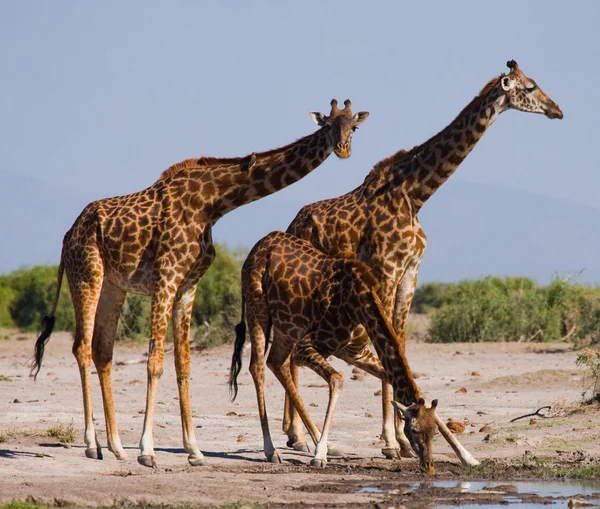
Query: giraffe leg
[
  {"x": 306, "y": 355},
  {"x": 367, "y": 361},
  {"x": 257, "y": 370},
  {"x": 85, "y": 289},
  {"x": 280, "y": 362},
  {"x": 107, "y": 318},
  {"x": 292, "y": 424},
  {"x": 405, "y": 291},
  {"x": 162, "y": 302},
  {"x": 182, "y": 313}
]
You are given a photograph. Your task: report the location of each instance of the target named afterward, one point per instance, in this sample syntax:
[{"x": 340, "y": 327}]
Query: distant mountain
[{"x": 473, "y": 229}]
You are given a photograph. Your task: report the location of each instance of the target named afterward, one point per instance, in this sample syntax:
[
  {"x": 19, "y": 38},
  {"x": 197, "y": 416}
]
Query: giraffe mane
[
  {"x": 484, "y": 91},
  {"x": 203, "y": 162},
  {"x": 402, "y": 154}
]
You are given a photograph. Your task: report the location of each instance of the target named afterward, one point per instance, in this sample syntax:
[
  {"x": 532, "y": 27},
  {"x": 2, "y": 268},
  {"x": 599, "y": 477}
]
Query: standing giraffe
[
  {"x": 378, "y": 220},
  {"x": 316, "y": 302},
  {"x": 158, "y": 242}
]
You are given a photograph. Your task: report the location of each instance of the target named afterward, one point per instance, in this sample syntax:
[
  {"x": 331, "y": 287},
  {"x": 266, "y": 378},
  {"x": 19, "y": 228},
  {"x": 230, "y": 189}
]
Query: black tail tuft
[
  {"x": 47, "y": 326},
  {"x": 236, "y": 358}
]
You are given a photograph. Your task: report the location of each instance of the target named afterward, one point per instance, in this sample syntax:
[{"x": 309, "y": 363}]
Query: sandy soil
[{"x": 481, "y": 385}]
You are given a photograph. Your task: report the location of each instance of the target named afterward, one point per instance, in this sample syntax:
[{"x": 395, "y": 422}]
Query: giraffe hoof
[
  {"x": 408, "y": 453},
  {"x": 274, "y": 458},
  {"x": 94, "y": 453},
  {"x": 147, "y": 461},
  {"x": 119, "y": 454},
  {"x": 291, "y": 442},
  {"x": 332, "y": 450},
  {"x": 391, "y": 453},
  {"x": 196, "y": 460},
  {"x": 318, "y": 463},
  {"x": 301, "y": 447}
]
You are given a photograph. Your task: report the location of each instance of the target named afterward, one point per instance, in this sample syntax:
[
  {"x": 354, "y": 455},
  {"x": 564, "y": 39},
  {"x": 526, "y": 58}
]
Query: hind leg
[
  {"x": 105, "y": 328},
  {"x": 258, "y": 329},
  {"x": 85, "y": 286}
]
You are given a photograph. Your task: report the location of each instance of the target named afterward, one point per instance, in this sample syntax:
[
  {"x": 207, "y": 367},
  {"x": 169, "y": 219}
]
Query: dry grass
[{"x": 65, "y": 433}]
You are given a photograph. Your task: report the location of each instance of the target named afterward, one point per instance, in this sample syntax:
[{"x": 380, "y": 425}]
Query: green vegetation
[
  {"x": 589, "y": 361},
  {"x": 26, "y": 295},
  {"x": 510, "y": 309},
  {"x": 21, "y": 504},
  {"x": 489, "y": 309}
]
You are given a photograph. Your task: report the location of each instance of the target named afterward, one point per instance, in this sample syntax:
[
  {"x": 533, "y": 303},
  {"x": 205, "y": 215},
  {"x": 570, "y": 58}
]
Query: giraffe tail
[
  {"x": 236, "y": 358},
  {"x": 46, "y": 329}
]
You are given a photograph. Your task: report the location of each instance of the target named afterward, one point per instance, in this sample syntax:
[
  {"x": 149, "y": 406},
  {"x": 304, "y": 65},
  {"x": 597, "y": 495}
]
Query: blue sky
[{"x": 98, "y": 98}]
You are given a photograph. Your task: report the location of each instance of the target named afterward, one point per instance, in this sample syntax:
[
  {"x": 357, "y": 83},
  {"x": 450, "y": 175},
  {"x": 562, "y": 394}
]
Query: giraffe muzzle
[{"x": 342, "y": 150}]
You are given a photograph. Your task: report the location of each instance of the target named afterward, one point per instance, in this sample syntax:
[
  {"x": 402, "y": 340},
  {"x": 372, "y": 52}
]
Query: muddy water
[{"x": 497, "y": 494}]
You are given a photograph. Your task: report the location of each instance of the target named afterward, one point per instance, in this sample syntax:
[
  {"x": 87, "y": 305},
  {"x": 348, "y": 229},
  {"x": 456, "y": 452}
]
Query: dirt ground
[{"x": 483, "y": 386}]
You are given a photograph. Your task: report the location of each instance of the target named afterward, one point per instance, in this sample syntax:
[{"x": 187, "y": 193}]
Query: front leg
[{"x": 181, "y": 317}]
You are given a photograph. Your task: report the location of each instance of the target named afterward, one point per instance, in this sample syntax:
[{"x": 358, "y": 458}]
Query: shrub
[{"x": 516, "y": 309}]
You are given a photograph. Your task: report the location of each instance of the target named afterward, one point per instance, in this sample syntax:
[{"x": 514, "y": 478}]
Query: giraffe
[
  {"x": 317, "y": 301},
  {"x": 158, "y": 242},
  {"x": 378, "y": 220}
]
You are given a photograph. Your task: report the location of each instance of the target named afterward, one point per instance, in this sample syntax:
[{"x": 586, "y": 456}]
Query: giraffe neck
[
  {"x": 272, "y": 171},
  {"x": 388, "y": 348},
  {"x": 420, "y": 172}
]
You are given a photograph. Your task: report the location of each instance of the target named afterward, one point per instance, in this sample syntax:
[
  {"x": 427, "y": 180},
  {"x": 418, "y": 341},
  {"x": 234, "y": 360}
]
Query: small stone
[
  {"x": 481, "y": 412},
  {"x": 231, "y": 414},
  {"x": 377, "y": 393},
  {"x": 532, "y": 421},
  {"x": 462, "y": 390},
  {"x": 370, "y": 415},
  {"x": 455, "y": 426},
  {"x": 241, "y": 438},
  {"x": 16, "y": 400},
  {"x": 485, "y": 428},
  {"x": 477, "y": 390},
  {"x": 475, "y": 373},
  {"x": 313, "y": 404},
  {"x": 419, "y": 375}
]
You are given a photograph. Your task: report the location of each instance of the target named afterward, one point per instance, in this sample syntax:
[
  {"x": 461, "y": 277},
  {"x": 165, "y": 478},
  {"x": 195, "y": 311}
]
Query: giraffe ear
[
  {"x": 400, "y": 407},
  {"x": 360, "y": 117},
  {"x": 434, "y": 403},
  {"x": 318, "y": 118},
  {"x": 507, "y": 83}
]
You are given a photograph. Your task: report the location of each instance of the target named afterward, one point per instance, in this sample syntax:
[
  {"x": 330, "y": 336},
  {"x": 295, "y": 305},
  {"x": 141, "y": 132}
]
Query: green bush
[
  {"x": 26, "y": 295},
  {"x": 430, "y": 296},
  {"x": 217, "y": 306},
  {"x": 34, "y": 291},
  {"x": 516, "y": 309}
]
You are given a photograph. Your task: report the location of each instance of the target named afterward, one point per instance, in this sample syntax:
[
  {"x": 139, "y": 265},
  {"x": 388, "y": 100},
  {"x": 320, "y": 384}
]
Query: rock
[
  {"x": 455, "y": 426},
  {"x": 532, "y": 421},
  {"x": 475, "y": 373},
  {"x": 462, "y": 390},
  {"x": 377, "y": 393},
  {"x": 241, "y": 438},
  {"x": 485, "y": 428},
  {"x": 231, "y": 414},
  {"x": 313, "y": 404},
  {"x": 370, "y": 415},
  {"x": 16, "y": 400}
]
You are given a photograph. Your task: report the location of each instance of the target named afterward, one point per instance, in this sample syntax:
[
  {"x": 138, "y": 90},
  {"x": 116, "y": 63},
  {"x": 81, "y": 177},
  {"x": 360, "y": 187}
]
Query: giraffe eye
[
  {"x": 530, "y": 88},
  {"x": 354, "y": 128}
]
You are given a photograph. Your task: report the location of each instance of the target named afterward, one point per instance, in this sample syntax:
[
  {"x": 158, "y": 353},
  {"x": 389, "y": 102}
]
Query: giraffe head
[
  {"x": 522, "y": 93},
  {"x": 420, "y": 426},
  {"x": 340, "y": 125}
]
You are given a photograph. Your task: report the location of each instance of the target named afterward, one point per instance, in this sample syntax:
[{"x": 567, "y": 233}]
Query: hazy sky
[{"x": 100, "y": 97}]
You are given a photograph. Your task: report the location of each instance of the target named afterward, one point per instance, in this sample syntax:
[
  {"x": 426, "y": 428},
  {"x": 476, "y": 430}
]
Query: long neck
[
  {"x": 388, "y": 348},
  {"x": 422, "y": 171},
  {"x": 236, "y": 185}
]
